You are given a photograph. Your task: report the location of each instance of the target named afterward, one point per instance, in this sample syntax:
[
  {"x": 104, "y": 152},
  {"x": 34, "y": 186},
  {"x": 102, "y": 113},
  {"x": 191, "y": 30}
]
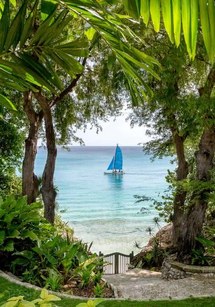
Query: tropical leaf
[
  {"x": 206, "y": 31},
  {"x": 34, "y": 71},
  {"x": 116, "y": 37},
  {"x": 177, "y": 12},
  {"x": 176, "y": 16},
  {"x": 78, "y": 47},
  {"x": 23, "y": 69},
  {"x": 4, "y": 24},
  {"x": 13, "y": 233},
  {"x": 67, "y": 62},
  {"x": 211, "y": 8},
  {"x": 41, "y": 31},
  {"x": 132, "y": 7},
  {"x": 2, "y": 236},
  {"x": 13, "y": 2},
  {"x": 9, "y": 246},
  {"x": 167, "y": 18},
  {"x": 145, "y": 10},
  {"x": 155, "y": 13},
  {"x": 33, "y": 52},
  {"x": 47, "y": 8},
  {"x": 15, "y": 30},
  {"x": 12, "y": 73},
  {"x": 30, "y": 234},
  {"x": 54, "y": 30},
  {"x": 28, "y": 26},
  {"x": 194, "y": 27},
  {"x": 55, "y": 77},
  {"x": 7, "y": 103},
  {"x": 90, "y": 32},
  {"x": 132, "y": 60},
  {"x": 186, "y": 23}
]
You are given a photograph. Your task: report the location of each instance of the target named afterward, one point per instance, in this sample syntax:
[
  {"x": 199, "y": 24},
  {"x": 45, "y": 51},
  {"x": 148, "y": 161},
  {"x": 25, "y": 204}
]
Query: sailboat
[{"x": 116, "y": 163}]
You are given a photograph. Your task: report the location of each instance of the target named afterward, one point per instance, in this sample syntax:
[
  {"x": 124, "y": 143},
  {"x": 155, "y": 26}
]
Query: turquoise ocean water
[{"x": 101, "y": 208}]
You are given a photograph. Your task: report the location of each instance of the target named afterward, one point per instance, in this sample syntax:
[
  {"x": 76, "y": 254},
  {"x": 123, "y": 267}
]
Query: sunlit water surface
[{"x": 101, "y": 208}]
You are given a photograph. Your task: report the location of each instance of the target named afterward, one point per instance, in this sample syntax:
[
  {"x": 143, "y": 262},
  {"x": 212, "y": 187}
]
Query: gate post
[
  {"x": 116, "y": 263},
  {"x": 131, "y": 256}
]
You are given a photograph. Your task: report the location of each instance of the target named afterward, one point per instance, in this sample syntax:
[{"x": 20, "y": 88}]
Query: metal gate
[{"x": 116, "y": 263}]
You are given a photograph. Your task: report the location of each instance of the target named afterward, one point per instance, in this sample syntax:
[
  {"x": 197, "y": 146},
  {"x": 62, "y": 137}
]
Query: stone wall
[{"x": 176, "y": 270}]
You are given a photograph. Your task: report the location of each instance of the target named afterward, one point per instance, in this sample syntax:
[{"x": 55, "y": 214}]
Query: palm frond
[{"x": 188, "y": 13}]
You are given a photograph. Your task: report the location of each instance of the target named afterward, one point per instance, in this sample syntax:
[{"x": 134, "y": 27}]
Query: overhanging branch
[{"x": 69, "y": 88}]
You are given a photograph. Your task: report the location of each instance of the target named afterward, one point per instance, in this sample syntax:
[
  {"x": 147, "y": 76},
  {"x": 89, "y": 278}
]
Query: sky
[{"x": 114, "y": 132}]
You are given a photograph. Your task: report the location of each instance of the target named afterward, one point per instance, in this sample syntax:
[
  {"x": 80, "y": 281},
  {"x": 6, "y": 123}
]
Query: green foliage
[
  {"x": 54, "y": 280},
  {"x": 63, "y": 229},
  {"x": 42, "y": 44},
  {"x": 193, "y": 188},
  {"x": 98, "y": 290},
  {"x": 40, "y": 253},
  {"x": 155, "y": 257},
  {"x": 177, "y": 13},
  {"x": 19, "y": 224},
  {"x": 88, "y": 272},
  {"x": 45, "y": 300},
  {"x": 28, "y": 73},
  {"x": 198, "y": 257},
  {"x": 203, "y": 254},
  {"x": 10, "y": 155},
  {"x": 91, "y": 303},
  {"x": 10, "y": 183},
  {"x": 56, "y": 260}
]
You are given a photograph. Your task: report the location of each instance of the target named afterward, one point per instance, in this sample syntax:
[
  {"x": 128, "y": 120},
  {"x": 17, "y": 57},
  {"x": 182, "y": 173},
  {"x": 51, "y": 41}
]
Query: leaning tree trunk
[
  {"x": 180, "y": 194},
  {"x": 195, "y": 216},
  {"x": 29, "y": 179},
  {"x": 48, "y": 190}
]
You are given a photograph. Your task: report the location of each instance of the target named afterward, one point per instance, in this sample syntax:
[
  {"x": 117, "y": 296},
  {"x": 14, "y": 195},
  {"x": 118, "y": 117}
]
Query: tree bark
[
  {"x": 29, "y": 179},
  {"x": 194, "y": 218},
  {"x": 180, "y": 194},
  {"x": 48, "y": 190}
]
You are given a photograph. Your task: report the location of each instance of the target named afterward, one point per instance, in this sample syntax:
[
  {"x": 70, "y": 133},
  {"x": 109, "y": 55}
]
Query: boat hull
[{"x": 114, "y": 173}]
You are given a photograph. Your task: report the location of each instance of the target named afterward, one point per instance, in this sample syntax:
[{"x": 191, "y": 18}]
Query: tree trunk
[
  {"x": 29, "y": 179},
  {"x": 180, "y": 194},
  {"x": 194, "y": 218},
  {"x": 190, "y": 222},
  {"x": 48, "y": 190}
]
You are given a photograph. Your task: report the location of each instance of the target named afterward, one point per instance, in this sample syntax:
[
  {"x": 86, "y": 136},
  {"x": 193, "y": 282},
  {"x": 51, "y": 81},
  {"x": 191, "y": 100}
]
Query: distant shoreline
[{"x": 83, "y": 146}]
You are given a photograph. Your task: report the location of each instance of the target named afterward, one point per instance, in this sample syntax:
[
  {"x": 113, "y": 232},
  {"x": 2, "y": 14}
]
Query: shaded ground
[{"x": 145, "y": 285}]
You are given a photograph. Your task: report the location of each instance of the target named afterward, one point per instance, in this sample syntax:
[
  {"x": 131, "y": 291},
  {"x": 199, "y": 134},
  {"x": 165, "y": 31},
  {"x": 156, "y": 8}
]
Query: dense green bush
[
  {"x": 11, "y": 151},
  {"x": 40, "y": 253},
  {"x": 19, "y": 227}
]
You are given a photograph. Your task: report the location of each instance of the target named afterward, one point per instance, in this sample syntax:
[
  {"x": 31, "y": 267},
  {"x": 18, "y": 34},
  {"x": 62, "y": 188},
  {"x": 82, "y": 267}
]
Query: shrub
[
  {"x": 40, "y": 253},
  {"x": 19, "y": 227}
]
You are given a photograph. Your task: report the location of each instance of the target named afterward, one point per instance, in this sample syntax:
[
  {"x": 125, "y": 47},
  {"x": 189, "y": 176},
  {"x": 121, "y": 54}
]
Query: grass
[{"x": 10, "y": 289}]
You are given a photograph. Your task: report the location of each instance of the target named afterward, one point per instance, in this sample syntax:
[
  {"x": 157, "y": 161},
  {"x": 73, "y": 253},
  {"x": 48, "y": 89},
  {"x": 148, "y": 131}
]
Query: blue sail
[
  {"x": 111, "y": 165},
  {"x": 118, "y": 161}
]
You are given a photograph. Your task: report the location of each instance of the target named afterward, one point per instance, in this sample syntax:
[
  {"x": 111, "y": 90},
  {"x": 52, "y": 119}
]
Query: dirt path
[{"x": 145, "y": 285}]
